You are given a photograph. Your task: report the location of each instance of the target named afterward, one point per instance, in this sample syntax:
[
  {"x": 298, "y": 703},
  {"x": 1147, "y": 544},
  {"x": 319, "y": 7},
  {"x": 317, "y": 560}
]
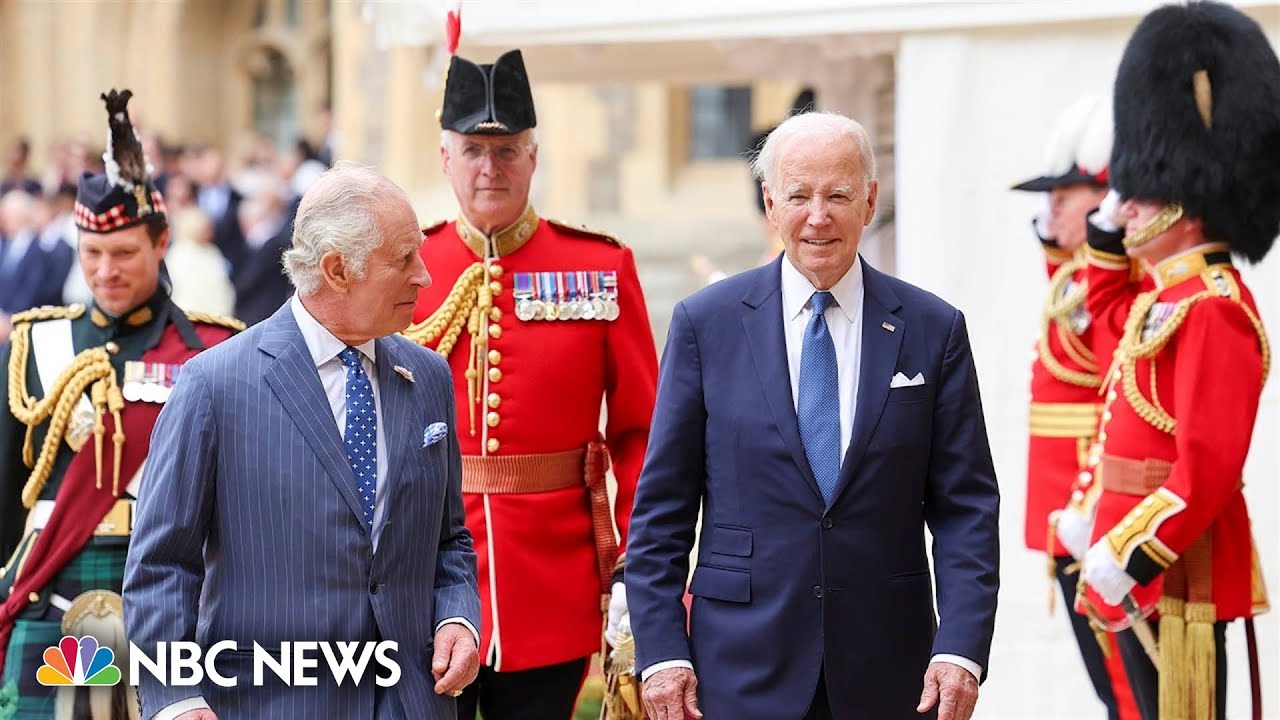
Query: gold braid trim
[
  {"x": 1076, "y": 349},
  {"x": 1059, "y": 312},
  {"x": 1055, "y": 309},
  {"x": 91, "y": 370},
  {"x": 1132, "y": 348},
  {"x": 467, "y": 305},
  {"x": 1262, "y": 338},
  {"x": 205, "y": 318},
  {"x": 446, "y": 323}
]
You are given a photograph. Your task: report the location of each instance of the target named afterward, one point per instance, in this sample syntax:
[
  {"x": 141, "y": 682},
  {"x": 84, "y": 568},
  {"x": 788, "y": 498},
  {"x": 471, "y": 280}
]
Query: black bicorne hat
[
  {"x": 488, "y": 99},
  {"x": 1079, "y": 148}
]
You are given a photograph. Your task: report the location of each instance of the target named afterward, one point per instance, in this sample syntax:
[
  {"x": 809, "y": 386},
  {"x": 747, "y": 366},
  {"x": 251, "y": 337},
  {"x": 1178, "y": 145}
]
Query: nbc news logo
[{"x": 78, "y": 662}]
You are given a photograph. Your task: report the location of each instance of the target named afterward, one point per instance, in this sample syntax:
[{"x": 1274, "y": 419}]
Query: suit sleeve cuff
[
  {"x": 974, "y": 668},
  {"x": 664, "y": 665},
  {"x": 464, "y": 623},
  {"x": 169, "y": 712}
]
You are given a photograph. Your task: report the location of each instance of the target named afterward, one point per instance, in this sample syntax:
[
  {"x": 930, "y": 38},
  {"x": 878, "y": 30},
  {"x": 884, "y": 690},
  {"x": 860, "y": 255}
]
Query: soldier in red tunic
[
  {"x": 541, "y": 322},
  {"x": 1197, "y": 163},
  {"x": 1065, "y": 375}
]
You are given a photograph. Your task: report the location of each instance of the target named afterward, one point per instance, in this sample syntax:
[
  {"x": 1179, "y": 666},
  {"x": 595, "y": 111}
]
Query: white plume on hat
[{"x": 1081, "y": 137}]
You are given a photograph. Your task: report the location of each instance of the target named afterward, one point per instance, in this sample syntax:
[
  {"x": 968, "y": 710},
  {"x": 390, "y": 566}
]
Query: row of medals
[
  {"x": 578, "y": 303},
  {"x": 599, "y": 308},
  {"x": 148, "y": 382}
]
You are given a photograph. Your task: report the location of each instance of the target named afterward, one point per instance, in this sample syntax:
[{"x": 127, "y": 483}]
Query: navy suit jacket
[
  {"x": 249, "y": 528},
  {"x": 28, "y": 281},
  {"x": 784, "y": 586}
]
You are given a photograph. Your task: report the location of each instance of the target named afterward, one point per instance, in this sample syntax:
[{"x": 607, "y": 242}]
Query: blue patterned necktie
[
  {"x": 361, "y": 434},
  {"x": 818, "y": 404}
]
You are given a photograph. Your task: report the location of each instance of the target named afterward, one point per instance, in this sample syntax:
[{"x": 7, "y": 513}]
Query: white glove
[
  {"x": 1040, "y": 221},
  {"x": 1073, "y": 531},
  {"x": 619, "y": 624},
  {"x": 1105, "y": 216},
  {"x": 1103, "y": 574}
]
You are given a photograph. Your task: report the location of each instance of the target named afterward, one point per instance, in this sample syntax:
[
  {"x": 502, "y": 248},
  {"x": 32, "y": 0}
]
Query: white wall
[{"x": 974, "y": 109}]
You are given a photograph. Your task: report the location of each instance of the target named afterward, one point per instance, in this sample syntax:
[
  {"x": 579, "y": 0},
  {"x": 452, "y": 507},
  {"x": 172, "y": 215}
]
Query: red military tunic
[
  {"x": 540, "y": 385},
  {"x": 1175, "y": 433},
  {"x": 1064, "y": 400}
]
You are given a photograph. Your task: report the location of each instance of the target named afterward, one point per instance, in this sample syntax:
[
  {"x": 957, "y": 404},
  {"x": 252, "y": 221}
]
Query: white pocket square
[
  {"x": 434, "y": 433},
  {"x": 900, "y": 380}
]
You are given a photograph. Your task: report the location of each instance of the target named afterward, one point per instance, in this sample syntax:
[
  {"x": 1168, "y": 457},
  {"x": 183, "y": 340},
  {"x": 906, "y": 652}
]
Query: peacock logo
[{"x": 78, "y": 662}]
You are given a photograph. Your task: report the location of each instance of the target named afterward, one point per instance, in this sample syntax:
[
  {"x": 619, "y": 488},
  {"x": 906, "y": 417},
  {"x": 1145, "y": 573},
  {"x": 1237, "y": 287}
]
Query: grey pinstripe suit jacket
[{"x": 248, "y": 527}]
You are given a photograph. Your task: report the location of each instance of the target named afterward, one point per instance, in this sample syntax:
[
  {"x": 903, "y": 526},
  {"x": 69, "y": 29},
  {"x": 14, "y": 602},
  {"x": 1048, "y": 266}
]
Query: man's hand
[
  {"x": 619, "y": 618},
  {"x": 201, "y": 714},
  {"x": 953, "y": 688},
  {"x": 457, "y": 661},
  {"x": 672, "y": 694}
]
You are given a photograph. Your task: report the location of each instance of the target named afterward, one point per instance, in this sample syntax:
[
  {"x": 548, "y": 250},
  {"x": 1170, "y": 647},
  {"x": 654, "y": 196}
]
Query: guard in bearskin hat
[
  {"x": 1196, "y": 167},
  {"x": 540, "y": 320},
  {"x": 81, "y": 390},
  {"x": 1071, "y": 354}
]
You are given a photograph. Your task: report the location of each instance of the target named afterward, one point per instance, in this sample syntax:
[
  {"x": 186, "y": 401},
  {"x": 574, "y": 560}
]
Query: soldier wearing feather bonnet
[{"x": 80, "y": 390}]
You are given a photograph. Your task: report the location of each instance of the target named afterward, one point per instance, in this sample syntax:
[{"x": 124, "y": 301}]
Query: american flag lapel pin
[{"x": 888, "y": 327}]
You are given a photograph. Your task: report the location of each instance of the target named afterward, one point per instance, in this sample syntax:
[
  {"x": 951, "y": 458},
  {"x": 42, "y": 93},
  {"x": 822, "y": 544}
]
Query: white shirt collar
[
  {"x": 321, "y": 343},
  {"x": 796, "y": 290}
]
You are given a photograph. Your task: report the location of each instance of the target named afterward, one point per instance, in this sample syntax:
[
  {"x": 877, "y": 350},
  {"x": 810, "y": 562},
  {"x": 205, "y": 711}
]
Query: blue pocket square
[{"x": 434, "y": 433}]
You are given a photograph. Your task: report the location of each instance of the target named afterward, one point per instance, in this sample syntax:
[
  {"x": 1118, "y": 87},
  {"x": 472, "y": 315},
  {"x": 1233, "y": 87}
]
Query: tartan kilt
[{"x": 100, "y": 566}]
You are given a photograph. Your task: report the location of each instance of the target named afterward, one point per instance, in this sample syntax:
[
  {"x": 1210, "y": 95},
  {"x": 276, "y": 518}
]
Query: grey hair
[
  {"x": 825, "y": 124},
  {"x": 338, "y": 214}
]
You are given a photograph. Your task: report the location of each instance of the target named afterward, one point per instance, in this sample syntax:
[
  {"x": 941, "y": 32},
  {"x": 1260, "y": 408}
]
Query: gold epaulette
[
  {"x": 433, "y": 227},
  {"x": 584, "y": 231},
  {"x": 48, "y": 312},
  {"x": 205, "y": 318},
  {"x": 1224, "y": 285}
]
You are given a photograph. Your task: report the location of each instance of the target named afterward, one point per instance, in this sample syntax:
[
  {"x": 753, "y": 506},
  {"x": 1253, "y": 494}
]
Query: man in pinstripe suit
[{"x": 305, "y": 485}]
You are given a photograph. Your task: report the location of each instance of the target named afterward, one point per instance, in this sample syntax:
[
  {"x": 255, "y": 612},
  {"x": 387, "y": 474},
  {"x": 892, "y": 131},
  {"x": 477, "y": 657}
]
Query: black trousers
[
  {"x": 545, "y": 693},
  {"x": 1094, "y": 663},
  {"x": 1145, "y": 681}
]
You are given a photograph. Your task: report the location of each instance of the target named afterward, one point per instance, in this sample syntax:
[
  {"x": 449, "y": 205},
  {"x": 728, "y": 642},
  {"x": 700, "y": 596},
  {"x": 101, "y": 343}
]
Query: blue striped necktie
[
  {"x": 360, "y": 438},
  {"x": 818, "y": 404}
]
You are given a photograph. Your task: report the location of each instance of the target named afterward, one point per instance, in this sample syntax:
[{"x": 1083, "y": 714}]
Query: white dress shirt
[
  {"x": 844, "y": 323},
  {"x": 324, "y": 348}
]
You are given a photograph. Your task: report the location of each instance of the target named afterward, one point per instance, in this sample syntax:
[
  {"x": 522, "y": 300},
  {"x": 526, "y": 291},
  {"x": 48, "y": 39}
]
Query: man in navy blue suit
[{"x": 820, "y": 414}]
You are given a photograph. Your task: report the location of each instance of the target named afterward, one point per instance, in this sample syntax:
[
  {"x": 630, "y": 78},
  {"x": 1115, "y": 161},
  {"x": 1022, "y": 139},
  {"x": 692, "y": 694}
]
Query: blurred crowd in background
[{"x": 230, "y": 221}]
